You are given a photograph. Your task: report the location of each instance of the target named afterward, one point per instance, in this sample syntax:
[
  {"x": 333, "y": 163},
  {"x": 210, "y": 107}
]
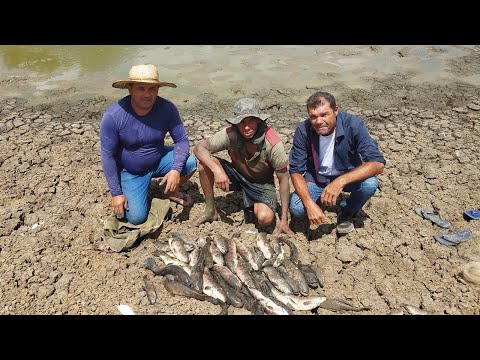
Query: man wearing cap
[
  {"x": 132, "y": 136},
  {"x": 332, "y": 152},
  {"x": 256, "y": 152}
]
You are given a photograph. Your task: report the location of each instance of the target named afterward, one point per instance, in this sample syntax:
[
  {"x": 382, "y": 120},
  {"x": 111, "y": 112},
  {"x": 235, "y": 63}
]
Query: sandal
[
  {"x": 472, "y": 214},
  {"x": 433, "y": 216}
]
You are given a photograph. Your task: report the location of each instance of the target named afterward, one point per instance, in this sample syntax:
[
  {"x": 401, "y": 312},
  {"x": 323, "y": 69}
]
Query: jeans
[
  {"x": 360, "y": 192},
  {"x": 135, "y": 187}
]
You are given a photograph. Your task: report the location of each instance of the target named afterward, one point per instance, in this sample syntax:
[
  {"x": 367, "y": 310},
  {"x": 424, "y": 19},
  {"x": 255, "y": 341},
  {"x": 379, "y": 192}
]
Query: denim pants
[
  {"x": 135, "y": 187},
  {"x": 360, "y": 192}
]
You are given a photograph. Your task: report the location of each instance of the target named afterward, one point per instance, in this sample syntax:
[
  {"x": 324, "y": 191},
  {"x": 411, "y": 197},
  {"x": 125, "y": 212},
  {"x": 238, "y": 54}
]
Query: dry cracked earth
[{"x": 53, "y": 198}]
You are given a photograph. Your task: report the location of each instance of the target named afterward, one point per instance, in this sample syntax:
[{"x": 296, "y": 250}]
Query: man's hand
[
  {"x": 315, "y": 214},
  {"x": 119, "y": 203},
  {"x": 172, "y": 180},
  {"x": 283, "y": 228},
  {"x": 331, "y": 192},
  {"x": 221, "y": 180}
]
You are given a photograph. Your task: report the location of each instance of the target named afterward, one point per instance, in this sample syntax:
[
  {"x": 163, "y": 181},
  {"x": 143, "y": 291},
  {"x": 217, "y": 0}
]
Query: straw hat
[
  {"x": 147, "y": 74},
  {"x": 471, "y": 272}
]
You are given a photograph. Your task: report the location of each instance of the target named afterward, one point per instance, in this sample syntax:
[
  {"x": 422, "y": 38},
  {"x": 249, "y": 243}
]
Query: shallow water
[{"x": 198, "y": 69}]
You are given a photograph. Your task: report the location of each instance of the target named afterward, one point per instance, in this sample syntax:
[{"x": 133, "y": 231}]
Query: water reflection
[{"x": 53, "y": 58}]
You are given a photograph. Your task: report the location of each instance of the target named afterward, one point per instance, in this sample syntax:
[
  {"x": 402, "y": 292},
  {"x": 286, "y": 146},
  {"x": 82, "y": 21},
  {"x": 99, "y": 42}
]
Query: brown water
[{"x": 200, "y": 69}]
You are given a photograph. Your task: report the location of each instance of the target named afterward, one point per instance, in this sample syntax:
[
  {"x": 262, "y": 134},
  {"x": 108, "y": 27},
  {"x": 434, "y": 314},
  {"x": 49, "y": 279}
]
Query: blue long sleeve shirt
[
  {"x": 136, "y": 143},
  {"x": 353, "y": 146}
]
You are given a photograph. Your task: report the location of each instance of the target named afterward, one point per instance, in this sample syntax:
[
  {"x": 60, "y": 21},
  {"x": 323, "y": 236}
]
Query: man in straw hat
[
  {"x": 132, "y": 135},
  {"x": 256, "y": 152}
]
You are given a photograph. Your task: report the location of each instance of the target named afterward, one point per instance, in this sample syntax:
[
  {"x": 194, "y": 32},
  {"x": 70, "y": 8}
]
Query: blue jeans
[
  {"x": 135, "y": 187},
  {"x": 359, "y": 191}
]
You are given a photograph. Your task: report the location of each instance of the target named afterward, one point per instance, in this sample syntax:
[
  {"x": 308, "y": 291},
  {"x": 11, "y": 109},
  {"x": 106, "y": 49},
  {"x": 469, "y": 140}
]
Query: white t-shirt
[{"x": 326, "y": 158}]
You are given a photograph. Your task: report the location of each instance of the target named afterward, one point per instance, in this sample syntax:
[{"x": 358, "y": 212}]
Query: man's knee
[
  {"x": 296, "y": 207},
  {"x": 191, "y": 164},
  {"x": 369, "y": 186},
  {"x": 137, "y": 217},
  {"x": 265, "y": 218}
]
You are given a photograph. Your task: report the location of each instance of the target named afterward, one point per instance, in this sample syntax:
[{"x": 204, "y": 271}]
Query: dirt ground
[{"x": 53, "y": 198}]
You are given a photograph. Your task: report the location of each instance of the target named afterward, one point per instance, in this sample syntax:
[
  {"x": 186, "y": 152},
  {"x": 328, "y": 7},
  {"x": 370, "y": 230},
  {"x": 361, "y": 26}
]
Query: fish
[
  {"x": 178, "y": 249},
  {"x": 150, "y": 290},
  {"x": 318, "y": 274},
  {"x": 243, "y": 273},
  {"x": 221, "y": 242},
  {"x": 292, "y": 283},
  {"x": 268, "y": 304},
  {"x": 196, "y": 274},
  {"x": 413, "y": 310},
  {"x": 176, "y": 288},
  {"x": 245, "y": 253},
  {"x": 257, "y": 256},
  {"x": 264, "y": 245},
  {"x": 277, "y": 279},
  {"x": 275, "y": 243},
  {"x": 175, "y": 270},
  {"x": 230, "y": 257},
  {"x": 309, "y": 275},
  {"x": 217, "y": 255},
  {"x": 297, "y": 276},
  {"x": 211, "y": 288},
  {"x": 193, "y": 256},
  {"x": 189, "y": 244},
  {"x": 339, "y": 305},
  {"x": 208, "y": 254},
  {"x": 228, "y": 276},
  {"x": 170, "y": 260},
  {"x": 231, "y": 294},
  {"x": 295, "y": 302},
  {"x": 293, "y": 249}
]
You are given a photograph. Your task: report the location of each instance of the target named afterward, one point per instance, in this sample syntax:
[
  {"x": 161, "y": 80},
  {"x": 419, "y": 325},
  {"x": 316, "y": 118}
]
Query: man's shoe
[{"x": 344, "y": 223}]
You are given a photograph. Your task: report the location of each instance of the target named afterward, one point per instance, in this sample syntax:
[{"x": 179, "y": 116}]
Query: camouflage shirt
[{"x": 258, "y": 169}]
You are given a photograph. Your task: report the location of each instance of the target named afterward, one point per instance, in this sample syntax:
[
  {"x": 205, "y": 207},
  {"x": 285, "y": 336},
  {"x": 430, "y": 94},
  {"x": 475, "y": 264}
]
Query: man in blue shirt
[
  {"x": 132, "y": 137},
  {"x": 332, "y": 152}
]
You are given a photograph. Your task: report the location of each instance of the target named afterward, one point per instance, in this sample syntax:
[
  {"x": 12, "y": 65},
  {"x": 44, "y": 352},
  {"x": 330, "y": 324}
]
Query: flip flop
[
  {"x": 472, "y": 214},
  {"x": 453, "y": 239},
  {"x": 433, "y": 216}
]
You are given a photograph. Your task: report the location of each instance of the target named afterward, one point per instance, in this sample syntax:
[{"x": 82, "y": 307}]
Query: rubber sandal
[
  {"x": 472, "y": 214},
  {"x": 453, "y": 239},
  {"x": 433, "y": 216}
]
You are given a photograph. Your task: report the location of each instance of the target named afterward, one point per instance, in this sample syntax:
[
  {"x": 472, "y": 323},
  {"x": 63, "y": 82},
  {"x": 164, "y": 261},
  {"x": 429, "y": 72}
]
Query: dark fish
[
  {"x": 257, "y": 309},
  {"x": 341, "y": 305},
  {"x": 232, "y": 296},
  {"x": 208, "y": 254},
  {"x": 196, "y": 274},
  {"x": 175, "y": 270},
  {"x": 292, "y": 283},
  {"x": 310, "y": 276},
  {"x": 246, "y": 297},
  {"x": 177, "y": 288},
  {"x": 293, "y": 249},
  {"x": 274, "y": 241},
  {"x": 318, "y": 274},
  {"x": 150, "y": 290},
  {"x": 228, "y": 276},
  {"x": 277, "y": 279},
  {"x": 296, "y": 275}
]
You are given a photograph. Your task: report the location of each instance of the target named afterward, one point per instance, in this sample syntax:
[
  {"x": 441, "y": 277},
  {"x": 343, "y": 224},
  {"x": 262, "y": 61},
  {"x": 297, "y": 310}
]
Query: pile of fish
[{"x": 264, "y": 279}]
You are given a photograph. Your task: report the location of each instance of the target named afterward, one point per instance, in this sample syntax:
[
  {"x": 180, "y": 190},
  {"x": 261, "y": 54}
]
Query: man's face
[
  {"x": 323, "y": 119},
  {"x": 143, "y": 95},
  {"x": 248, "y": 126}
]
